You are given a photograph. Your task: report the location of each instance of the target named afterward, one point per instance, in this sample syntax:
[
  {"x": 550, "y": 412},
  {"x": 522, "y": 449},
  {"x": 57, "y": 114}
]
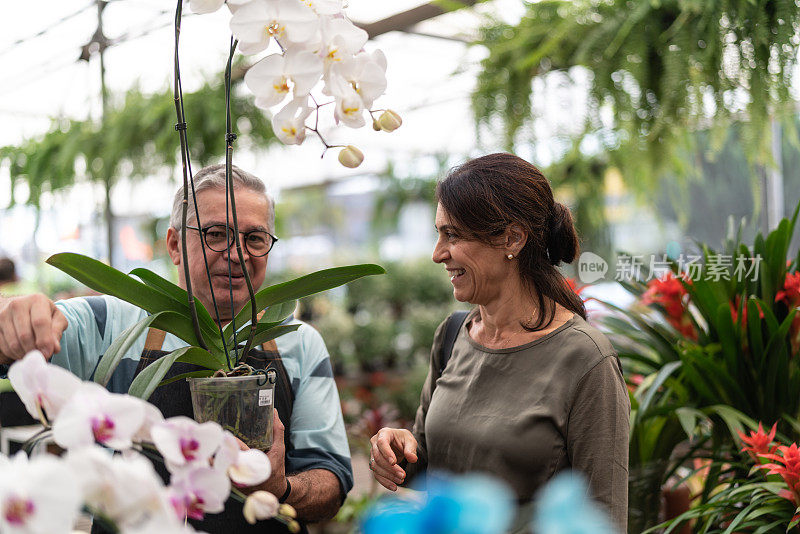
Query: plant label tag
[{"x": 264, "y": 397}]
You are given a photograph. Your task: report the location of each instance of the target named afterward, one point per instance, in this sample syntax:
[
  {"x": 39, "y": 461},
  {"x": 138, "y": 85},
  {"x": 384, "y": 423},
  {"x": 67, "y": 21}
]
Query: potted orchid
[
  {"x": 316, "y": 49},
  {"x": 123, "y": 492}
]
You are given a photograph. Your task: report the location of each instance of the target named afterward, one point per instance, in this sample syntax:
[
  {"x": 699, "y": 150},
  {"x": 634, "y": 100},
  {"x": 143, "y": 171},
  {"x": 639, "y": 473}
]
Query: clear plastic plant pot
[{"x": 240, "y": 404}]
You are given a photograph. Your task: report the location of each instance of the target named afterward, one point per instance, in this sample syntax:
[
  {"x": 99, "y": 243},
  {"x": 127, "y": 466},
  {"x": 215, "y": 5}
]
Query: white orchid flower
[
  {"x": 365, "y": 73},
  {"x": 123, "y": 488},
  {"x": 37, "y": 496},
  {"x": 95, "y": 415},
  {"x": 209, "y": 6},
  {"x": 325, "y": 7},
  {"x": 288, "y": 21},
  {"x": 245, "y": 468},
  {"x": 341, "y": 38},
  {"x": 250, "y": 468},
  {"x": 41, "y": 386},
  {"x": 349, "y": 108},
  {"x": 198, "y": 491},
  {"x": 205, "y": 6},
  {"x": 269, "y": 79},
  {"x": 152, "y": 416},
  {"x": 289, "y": 124},
  {"x": 184, "y": 442},
  {"x": 260, "y": 505}
]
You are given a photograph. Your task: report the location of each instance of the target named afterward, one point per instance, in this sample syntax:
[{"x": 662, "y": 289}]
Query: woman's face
[{"x": 477, "y": 271}]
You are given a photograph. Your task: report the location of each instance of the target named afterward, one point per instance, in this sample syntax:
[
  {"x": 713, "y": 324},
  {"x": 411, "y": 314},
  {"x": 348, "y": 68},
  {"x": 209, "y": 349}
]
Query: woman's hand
[{"x": 387, "y": 445}]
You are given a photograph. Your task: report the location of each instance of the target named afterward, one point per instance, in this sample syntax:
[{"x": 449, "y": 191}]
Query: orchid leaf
[
  {"x": 272, "y": 333},
  {"x": 178, "y": 294},
  {"x": 204, "y": 373},
  {"x": 305, "y": 286},
  {"x": 273, "y": 315},
  {"x": 148, "y": 380},
  {"x": 113, "y": 355},
  {"x": 104, "y": 279}
]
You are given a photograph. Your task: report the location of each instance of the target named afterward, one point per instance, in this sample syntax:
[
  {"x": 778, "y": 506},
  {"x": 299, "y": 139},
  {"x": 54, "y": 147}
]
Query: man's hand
[
  {"x": 29, "y": 322},
  {"x": 315, "y": 495},
  {"x": 387, "y": 445}
]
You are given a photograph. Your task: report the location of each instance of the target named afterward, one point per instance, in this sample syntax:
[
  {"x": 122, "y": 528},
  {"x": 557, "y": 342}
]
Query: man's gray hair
[{"x": 213, "y": 177}]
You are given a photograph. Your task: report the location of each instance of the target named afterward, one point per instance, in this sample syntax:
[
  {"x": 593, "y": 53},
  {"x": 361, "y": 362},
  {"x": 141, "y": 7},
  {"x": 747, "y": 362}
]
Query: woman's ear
[{"x": 515, "y": 239}]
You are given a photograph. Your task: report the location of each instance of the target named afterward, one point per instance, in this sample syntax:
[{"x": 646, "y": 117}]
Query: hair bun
[{"x": 562, "y": 240}]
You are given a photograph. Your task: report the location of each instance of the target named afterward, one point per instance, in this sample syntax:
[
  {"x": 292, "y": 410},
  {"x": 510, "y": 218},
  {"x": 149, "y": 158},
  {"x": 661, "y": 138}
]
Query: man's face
[{"x": 253, "y": 214}]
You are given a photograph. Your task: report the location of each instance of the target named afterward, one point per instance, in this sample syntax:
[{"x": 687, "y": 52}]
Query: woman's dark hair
[{"x": 485, "y": 195}]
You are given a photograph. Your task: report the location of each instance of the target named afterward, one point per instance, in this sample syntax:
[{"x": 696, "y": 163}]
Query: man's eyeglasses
[{"x": 219, "y": 238}]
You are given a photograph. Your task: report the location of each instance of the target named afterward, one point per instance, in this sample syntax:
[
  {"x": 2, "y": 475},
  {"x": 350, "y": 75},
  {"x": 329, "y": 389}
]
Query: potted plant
[{"x": 715, "y": 349}]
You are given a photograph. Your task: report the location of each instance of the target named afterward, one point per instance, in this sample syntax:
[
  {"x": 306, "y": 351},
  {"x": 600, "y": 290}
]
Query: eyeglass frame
[{"x": 203, "y": 232}]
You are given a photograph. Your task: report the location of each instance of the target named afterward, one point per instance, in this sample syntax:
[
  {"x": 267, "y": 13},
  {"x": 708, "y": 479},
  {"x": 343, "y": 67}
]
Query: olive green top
[{"x": 525, "y": 413}]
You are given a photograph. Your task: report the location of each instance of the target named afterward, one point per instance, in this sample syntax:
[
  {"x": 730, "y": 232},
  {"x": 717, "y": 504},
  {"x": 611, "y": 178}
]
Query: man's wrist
[{"x": 283, "y": 498}]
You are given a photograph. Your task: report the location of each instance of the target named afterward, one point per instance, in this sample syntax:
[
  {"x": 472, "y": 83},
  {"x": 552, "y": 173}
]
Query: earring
[{"x": 510, "y": 256}]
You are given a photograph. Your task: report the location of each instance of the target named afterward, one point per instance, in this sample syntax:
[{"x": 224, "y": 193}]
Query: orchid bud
[
  {"x": 294, "y": 527},
  {"x": 287, "y": 510},
  {"x": 351, "y": 157},
  {"x": 260, "y": 505},
  {"x": 389, "y": 121},
  {"x": 376, "y": 125}
]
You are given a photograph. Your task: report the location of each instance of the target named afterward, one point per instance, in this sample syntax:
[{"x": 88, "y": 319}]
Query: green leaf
[
  {"x": 107, "y": 280},
  {"x": 733, "y": 418},
  {"x": 271, "y": 333},
  {"x": 279, "y": 312},
  {"x": 688, "y": 419},
  {"x": 182, "y": 328},
  {"x": 5, "y": 385},
  {"x": 659, "y": 379},
  {"x": 147, "y": 381},
  {"x": 274, "y": 316},
  {"x": 178, "y": 294},
  {"x": 303, "y": 287},
  {"x": 194, "y": 374},
  {"x": 122, "y": 344},
  {"x": 727, "y": 337}
]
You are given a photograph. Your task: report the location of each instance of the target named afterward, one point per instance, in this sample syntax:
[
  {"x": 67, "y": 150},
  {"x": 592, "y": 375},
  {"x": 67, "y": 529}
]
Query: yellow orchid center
[
  {"x": 275, "y": 28},
  {"x": 282, "y": 86}
]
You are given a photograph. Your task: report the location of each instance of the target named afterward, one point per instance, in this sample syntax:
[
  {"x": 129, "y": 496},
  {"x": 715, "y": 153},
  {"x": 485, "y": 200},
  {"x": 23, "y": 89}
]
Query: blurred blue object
[
  {"x": 468, "y": 504},
  {"x": 564, "y": 507},
  {"x": 393, "y": 515}
]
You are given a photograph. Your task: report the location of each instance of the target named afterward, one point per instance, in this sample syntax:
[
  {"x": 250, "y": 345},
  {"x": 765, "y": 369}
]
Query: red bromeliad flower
[
  {"x": 790, "y": 294},
  {"x": 669, "y": 292},
  {"x": 787, "y": 465},
  {"x": 759, "y": 442}
]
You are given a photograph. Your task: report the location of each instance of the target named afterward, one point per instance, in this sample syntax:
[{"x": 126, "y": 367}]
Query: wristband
[{"x": 286, "y": 493}]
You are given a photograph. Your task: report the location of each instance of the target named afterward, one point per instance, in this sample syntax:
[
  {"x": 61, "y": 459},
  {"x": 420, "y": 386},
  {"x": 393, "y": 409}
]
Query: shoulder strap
[
  {"x": 452, "y": 327},
  {"x": 155, "y": 339}
]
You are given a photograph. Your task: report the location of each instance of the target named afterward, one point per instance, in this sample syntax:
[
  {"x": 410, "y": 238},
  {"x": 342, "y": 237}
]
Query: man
[{"x": 311, "y": 466}]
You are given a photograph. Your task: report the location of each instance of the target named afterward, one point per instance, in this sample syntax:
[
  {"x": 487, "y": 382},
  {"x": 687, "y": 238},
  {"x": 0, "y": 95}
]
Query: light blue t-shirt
[{"x": 317, "y": 427}]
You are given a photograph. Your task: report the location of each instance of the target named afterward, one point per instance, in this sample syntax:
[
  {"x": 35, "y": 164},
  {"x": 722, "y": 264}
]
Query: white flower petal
[
  {"x": 250, "y": 468},
  {"x": 289, "y": 123},
  {"x": 305, "y": 70},
  {"x": 39, "y": 383},
  {"x": 205, "y": 6},
  {"x": 260, "y": 505}
]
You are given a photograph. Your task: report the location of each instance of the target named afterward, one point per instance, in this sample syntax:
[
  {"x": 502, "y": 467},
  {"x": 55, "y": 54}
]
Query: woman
[{"x": 529, "y": 388}]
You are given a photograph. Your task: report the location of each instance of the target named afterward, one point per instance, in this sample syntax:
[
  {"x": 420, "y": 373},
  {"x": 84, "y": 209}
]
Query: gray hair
[{"x": 213, "y": 177}]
